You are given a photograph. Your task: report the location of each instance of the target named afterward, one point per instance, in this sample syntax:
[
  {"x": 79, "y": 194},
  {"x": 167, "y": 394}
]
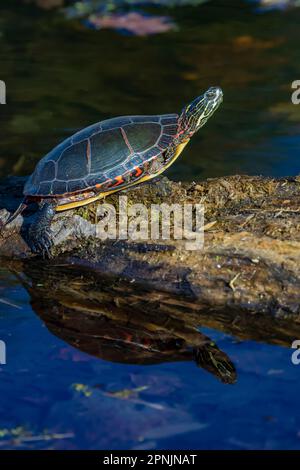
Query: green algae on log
[{"x": 249, "y": 263}]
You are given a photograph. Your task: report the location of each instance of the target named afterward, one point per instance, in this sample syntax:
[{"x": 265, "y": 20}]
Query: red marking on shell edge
[
  {"x": 119, "y": 180},
  {"x": 138, "y": 171},
  {"x": 105, "y": 184}
]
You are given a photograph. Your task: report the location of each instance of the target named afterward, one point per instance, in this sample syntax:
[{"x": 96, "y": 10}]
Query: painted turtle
[{"x": 107, "y": 157}]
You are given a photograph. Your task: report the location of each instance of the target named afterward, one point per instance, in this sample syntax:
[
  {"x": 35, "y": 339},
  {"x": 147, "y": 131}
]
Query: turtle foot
[
  {"x": 39, "y": 234},
  {"x": 40, "y": 243}
]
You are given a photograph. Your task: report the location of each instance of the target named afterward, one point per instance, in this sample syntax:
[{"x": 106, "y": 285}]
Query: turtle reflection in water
[{"x": 113, "y": 320}]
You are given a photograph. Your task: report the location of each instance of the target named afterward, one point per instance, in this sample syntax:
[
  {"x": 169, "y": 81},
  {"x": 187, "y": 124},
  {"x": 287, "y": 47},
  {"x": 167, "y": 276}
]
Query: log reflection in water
[
  {"x": 122, "y": 321},
  {"x": 117, "y": 321}
]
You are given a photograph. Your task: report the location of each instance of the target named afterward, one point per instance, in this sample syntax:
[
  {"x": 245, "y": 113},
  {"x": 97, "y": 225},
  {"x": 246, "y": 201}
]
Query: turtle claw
[{"x": 41, "y": 244}]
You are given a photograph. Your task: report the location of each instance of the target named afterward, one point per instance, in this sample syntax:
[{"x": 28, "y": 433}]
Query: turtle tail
[{"x": 15, "y": 214}]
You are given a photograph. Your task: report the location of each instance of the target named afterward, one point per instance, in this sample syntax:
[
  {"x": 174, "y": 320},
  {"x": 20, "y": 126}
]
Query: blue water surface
[{"x": 181, "y": 405}]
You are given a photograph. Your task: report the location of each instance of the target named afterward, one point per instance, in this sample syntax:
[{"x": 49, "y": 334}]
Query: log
[{"x": 248, "y": 267}]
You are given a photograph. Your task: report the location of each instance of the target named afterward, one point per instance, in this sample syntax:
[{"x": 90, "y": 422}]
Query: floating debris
[
  {"x": 19, "y": 436},
  {"x": 86, "y": 7},
  {"x": 137, "y": 24},
  {"x": 82, "y": 389},
  {"x": 132, "y": 395}
]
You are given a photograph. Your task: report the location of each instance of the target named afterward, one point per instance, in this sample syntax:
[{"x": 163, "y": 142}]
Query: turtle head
[{"x": 196, "y": 114}]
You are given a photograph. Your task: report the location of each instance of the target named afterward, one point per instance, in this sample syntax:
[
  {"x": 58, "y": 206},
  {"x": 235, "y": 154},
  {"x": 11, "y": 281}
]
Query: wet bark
[{"x": 249, "y": 263}]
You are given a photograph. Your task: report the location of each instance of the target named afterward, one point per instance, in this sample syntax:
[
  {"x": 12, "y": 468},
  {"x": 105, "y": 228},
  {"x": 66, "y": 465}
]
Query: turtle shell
[{"x": 100, "y": 154}]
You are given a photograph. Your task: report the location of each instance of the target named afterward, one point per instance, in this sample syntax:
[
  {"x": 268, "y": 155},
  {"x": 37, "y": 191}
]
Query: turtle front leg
[{"x": 39, "y": 232}]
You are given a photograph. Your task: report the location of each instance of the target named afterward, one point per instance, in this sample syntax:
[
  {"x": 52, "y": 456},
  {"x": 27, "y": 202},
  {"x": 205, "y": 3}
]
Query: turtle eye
[
  {"x": 210, "y": 94},
  {"x": 213, "y": 92}
]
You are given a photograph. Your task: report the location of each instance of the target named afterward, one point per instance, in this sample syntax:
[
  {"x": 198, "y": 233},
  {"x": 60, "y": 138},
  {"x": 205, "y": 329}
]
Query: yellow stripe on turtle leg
[{"x": 72, "y": 205}]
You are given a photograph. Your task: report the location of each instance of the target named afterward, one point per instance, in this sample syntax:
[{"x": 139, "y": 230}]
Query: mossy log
[{"x": 249, "y": 263}]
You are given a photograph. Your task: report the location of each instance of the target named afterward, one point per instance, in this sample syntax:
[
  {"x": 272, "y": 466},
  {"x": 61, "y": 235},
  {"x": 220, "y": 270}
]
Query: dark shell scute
[
  {"x": 37, "y": 177},
  {"x": 73, "y": 163},
  {"x": 48, "y": 171},
  {"x": 59, "y": 187},
  {"x": 114, "y": 123},
  {"x": 113, "y": 173},
  {"x": 32, "y": 185},
  {"x": 165, "y": 140},
  {"x": 76, "y": 185},
  {"x": 55, "y": 153},
  {"x": 171, "y": 129},
  {"x": 153, "y": 152},
  {"x": 86, "y": 133},
  {"x": 118, "y": 171},
  {"x": 142, "y": 136},
  {"x": 169, "y": 119},
  {"x": 45, "y": 188},
  {"x": 108, "y": 149},
  {"x": 143, "y": 119},
  {"x": 93, "y": 180}
]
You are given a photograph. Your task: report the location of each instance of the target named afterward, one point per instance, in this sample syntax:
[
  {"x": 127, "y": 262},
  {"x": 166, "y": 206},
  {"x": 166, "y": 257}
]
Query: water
[
  {"x": 60, "y": 388},
  {"x": 59, "y": 396}
]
